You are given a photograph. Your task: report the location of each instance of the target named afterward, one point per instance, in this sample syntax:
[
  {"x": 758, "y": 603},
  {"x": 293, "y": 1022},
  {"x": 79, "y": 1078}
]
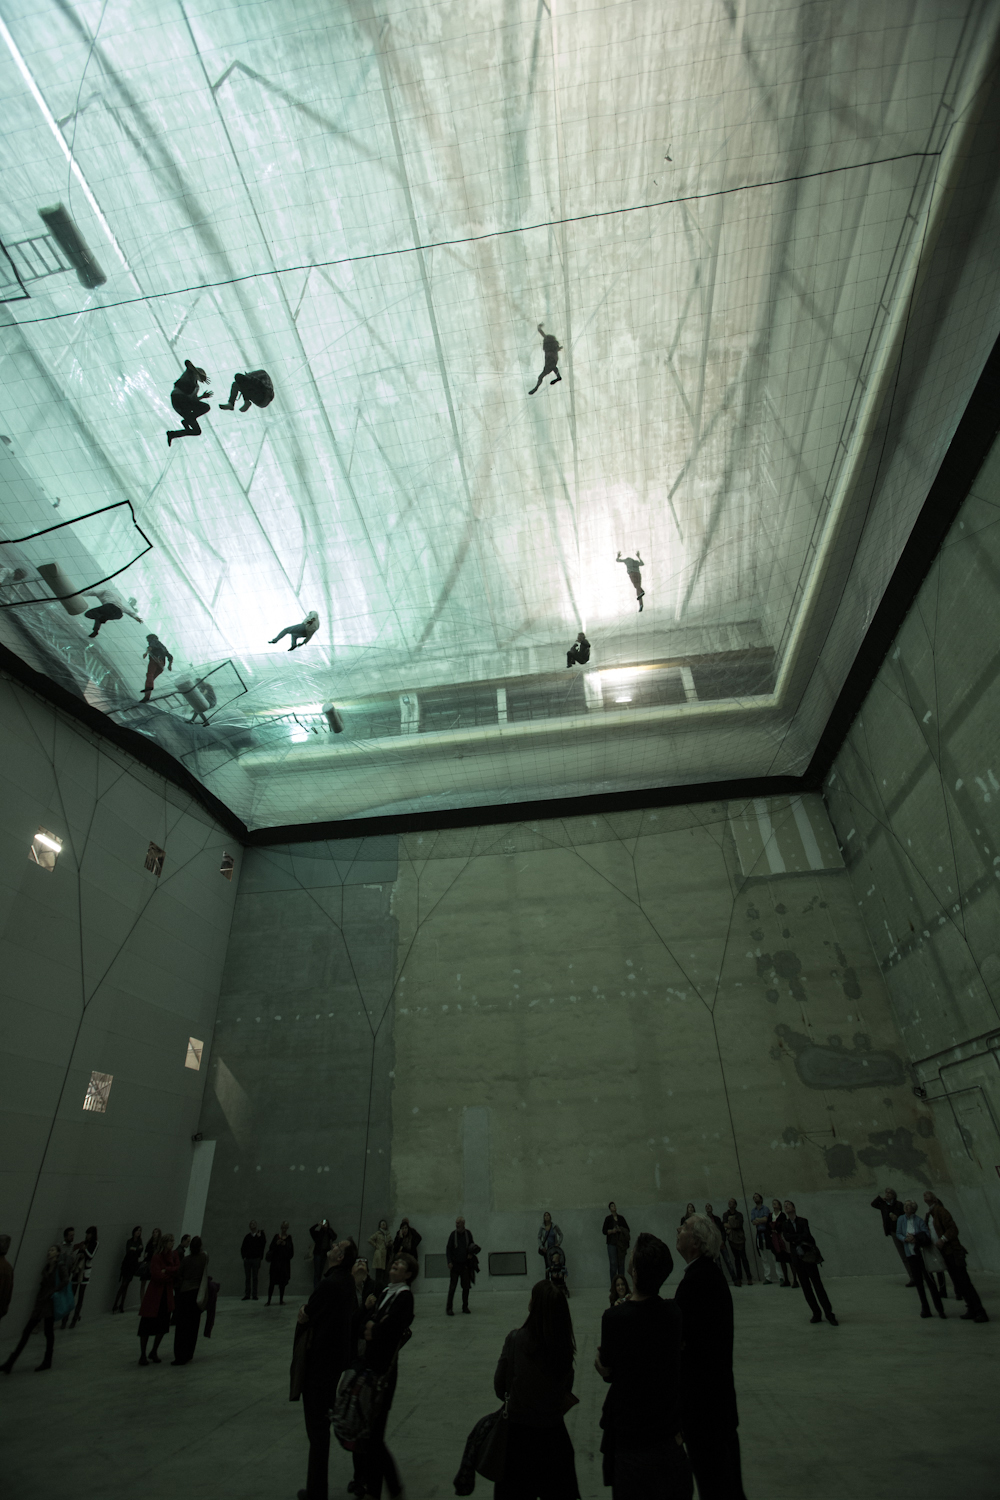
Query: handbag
[
  {"x": 63, "y": 1301},
  {"x": 491, "y": 1460}
]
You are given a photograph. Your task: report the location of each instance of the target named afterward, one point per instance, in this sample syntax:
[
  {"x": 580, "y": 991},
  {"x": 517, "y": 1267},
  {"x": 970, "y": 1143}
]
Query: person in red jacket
[{"x": 158, "y": 1303}]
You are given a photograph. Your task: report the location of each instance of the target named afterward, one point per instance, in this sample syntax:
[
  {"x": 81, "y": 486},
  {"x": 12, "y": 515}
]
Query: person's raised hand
[{"x": 370, "y": 1302}]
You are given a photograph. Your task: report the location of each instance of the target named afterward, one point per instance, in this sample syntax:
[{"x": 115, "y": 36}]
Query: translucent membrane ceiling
[{"x": 764, "y": 237}]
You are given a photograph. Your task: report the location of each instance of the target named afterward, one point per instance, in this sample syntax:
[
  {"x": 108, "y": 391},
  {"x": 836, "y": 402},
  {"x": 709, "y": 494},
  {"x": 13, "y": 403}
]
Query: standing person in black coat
[
  {"x": 808, "y": 1259},
  {"x": 780, "y": 1245},
  {"x": 386, "y": 1331},
  {"x": 534, "y": 1376},
  {"x": 54, "y": 1277},
  {"x": 189, "y": 1306},
  {"x": 709, "y": 1409},
  {"x": 252, "y": 1251},
  {"x": 407, "y": 1239},
  {"x": 640, "y": 1357},
  {"x": 187, "y": 403},
  {"x": 890, "y": 1207},
  {"x": 618, "y": 1238},
  {"x": 129, "y": 1269},
  {"x": 328, "y": 1313},
  {"x": 460, "y": 1254},
  {"x": 322, "y": 1236},
  {"x": 279, "y": 1258}
]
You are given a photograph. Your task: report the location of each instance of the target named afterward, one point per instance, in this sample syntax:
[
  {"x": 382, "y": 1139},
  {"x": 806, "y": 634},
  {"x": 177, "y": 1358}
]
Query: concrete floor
[{"x": 885, "y": 1404}]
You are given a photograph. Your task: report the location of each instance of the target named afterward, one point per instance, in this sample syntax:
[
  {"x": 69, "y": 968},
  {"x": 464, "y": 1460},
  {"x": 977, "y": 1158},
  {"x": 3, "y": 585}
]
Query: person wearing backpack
[
  {"x": 328, "y": 1315},
  {"x": 385, "y": 1333},
  {"x": 55, "y": 1281}
]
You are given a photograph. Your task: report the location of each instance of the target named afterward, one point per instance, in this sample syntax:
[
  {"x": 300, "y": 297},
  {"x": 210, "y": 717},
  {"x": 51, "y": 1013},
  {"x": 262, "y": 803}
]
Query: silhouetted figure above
[
  {"x": 111, "y": 607},
  {"x": 632, "y": 566},
  {"x": 255, "y": 388},
  {"x": 550, "y": 348},
  {"x": 159, "y": 657},
  {"x": 579, "y": 652},
  {"x": 187, "y": 403},
  {"x": 301, "y": 634}
]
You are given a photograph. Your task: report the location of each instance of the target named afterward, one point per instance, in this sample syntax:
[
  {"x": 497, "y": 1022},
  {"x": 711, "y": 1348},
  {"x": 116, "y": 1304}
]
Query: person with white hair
[
  {"x": 301, "y": 634},
  {"x": 710, "y": 1416}
]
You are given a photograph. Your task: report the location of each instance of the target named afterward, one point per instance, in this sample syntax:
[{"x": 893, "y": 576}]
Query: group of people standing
[{"x": 928, "y": 1247}]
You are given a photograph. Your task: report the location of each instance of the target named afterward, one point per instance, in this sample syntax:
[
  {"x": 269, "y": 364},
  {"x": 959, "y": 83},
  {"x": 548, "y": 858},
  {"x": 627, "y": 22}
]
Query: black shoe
[
  {"x": 143, "y": 1360},
  {"x": 816, "y": 1319},
  {"x": 981, "y": 1317},
  {"x": 246, "y": 1298},
  {"x": 967, "y": 1317},
  {"x": 831, "y": 1319},
  {"x": 466, "y": 1309},
  {"x": 925, "y": 1312},
  {"x": 450, "y": 1312},
  {"x": 178, "y": 1361},
  {"x": 254, "y": 1299},
  {"x": 154, "y": 1359},
  {"x": 46, "y": 1364},
  {"x": 909, "y": 1283},
  {"x": 941, "y": 1313},
  {"x": 281, "y": 1301},
  {"x": 640, "y": 606},
  {"x": 737, "y": 1283}
]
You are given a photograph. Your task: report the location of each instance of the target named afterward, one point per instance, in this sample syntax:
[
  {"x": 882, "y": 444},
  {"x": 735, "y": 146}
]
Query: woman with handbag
[
  {"x": 54, "y": 1294},
  {"x": 534, "y": 1379},
  {"x": 157, "y": 1304},
  {"x": 279, "y": 1260},
  {"x": 129, "y": 1268},
  {"x": 192, "y": 1294},
  {"x": 913, "y": 1234},
  {"x": 386, "y": 1332}
]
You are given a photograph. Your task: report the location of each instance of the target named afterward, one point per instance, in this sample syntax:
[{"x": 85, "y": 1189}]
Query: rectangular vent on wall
[
  {"x": 154, "y": 859},
  {"x": 194, "y": 1051},
  {"x": 508, "y": 1263},
  {"x": 45, "y": 849},
  {"x": 98, "y": 1089}
]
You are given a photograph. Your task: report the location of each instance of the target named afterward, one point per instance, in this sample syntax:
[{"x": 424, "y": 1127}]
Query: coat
[
  {"x": 799, "y": 1239},
  {"x": 329, "y": 1313},
  {"x": 733, "y": 1222},
  {"x": 163, "y": 1270},
  {"x": 398, "y": 1245},
  {"x": 54, "y": 1278},
  {"x": 945, "y": 1228},
  {"x": 887, "y": 1211},
  {"x": 381, "y": 1240},
  {"x": 708, "y": 1392},
  {"x": 279, "y": 1257}
]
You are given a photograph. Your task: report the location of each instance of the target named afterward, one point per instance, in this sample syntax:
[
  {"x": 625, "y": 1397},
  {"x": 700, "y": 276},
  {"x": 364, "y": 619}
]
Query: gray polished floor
[{"x": 885, "y": 1404}]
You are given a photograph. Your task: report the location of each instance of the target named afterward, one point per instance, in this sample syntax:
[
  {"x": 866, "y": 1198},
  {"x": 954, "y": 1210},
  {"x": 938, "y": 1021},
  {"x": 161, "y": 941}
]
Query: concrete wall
[
  {"x": 650, "y": 1007},
  {"x": 298, "y": 1101},
  {"x": 915, "y": 798},
  {"x": 106, "y": 968}
]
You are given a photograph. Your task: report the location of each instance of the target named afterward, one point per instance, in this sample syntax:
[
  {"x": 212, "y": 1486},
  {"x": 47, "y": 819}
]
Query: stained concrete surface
[{"x": 885, "y": 1404}]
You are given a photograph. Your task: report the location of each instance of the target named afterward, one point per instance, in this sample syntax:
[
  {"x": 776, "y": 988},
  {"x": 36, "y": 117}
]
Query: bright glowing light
[
  {"x": 43, "y": 838},
  {"x": 624, "y": 699}
]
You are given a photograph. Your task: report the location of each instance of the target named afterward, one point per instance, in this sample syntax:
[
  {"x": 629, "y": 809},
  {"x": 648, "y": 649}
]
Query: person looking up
[
  {"x": 407, "y": 1239},
  {"x": 550, "y": 1237},
  {"x": 912, "y": 1233},
  {"x": 54, "y": 1277},
  {"x": 708, "y": 1393},
  {"x": 944, "y": 1233},
  {"x": 890, "y": 1207},
  {"x": 760, "y": 1228},
  {"x": 689, "y": 1210},
  {"x": 534, "y": 1376},
  {"x": 780, "y": 1245},
  {"x": 158, "y": 1300},
  {"x": 329, "y": 1314},
  {"x": 322, "y": 1236},
  {"x": 640, "y": 1358},
  {"x": 808, "y": 1259},
  {"x": 737, "y": 1242},
  {"x": 386, "y": 1331}
]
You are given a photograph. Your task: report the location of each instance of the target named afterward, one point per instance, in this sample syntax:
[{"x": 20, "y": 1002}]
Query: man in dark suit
[
  {"x": 807, "y": 1258},
  {"x": 708, "y": 1392},
  {"x": 460, "y": 1253},
  {"x": 890, "y": 1207}
]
